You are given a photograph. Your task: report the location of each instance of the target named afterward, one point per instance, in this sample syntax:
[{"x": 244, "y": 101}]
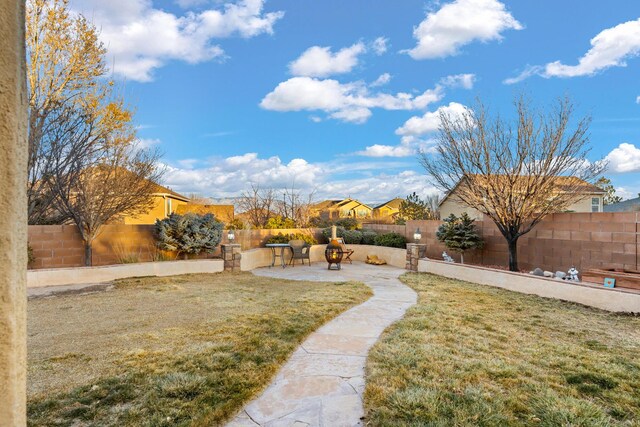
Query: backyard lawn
[
  {"x": 481, "y": 356},
  {"x": 183, "y": 350}
]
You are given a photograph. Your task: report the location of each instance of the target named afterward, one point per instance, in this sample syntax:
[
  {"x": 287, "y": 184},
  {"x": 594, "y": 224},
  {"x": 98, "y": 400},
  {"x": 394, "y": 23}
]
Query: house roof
[
  {"x": 393, "y": 203},
  {"x": 563, "y": 183},
  {"x": 630, "y": 205},
  {"x": 161, "y": 190},
  {"x": 328, "y": 204}
]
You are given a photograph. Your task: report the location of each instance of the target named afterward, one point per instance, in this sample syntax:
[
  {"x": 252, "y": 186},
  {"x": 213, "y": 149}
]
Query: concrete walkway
[{"x": 323, "y": 381}]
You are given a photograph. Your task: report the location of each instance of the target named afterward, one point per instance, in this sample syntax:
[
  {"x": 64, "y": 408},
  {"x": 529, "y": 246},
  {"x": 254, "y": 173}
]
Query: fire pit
[{"x": 333, "y": 254}]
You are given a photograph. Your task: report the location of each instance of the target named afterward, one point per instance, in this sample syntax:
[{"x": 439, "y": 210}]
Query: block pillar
[
  {"x": 415, "y": 251},
  {"x": 231, "y": 255},
  {"x": 13, "y": 221}
]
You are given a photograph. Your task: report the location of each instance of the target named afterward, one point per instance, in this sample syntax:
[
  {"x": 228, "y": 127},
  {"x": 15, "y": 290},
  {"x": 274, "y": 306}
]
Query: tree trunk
[
  {"x": 461, "y": 257},
  {"x": 513, "y": 254},
  {"x": 88, "y": 250}
]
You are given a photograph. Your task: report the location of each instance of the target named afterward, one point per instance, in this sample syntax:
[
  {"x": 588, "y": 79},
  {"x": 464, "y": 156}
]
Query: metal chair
[
  {"x": 347, "y": 252},
  {"x": 299, "y": 250}
]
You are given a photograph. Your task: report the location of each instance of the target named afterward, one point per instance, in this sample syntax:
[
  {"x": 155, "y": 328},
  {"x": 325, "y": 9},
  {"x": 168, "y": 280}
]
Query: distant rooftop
[{"x": 630, "y": 205}]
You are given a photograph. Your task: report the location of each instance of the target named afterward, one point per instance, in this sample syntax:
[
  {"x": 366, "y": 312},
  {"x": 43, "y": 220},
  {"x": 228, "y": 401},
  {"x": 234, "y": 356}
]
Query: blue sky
[{"x": 337, "y": 96}]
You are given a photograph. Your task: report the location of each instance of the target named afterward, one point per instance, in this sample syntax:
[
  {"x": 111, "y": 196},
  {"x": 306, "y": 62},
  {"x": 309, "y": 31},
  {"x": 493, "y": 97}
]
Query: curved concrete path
[{"x": 323, "y": 381}]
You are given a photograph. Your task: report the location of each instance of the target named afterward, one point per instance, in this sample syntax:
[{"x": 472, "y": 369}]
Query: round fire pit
[{"x": 333, "y": 254}]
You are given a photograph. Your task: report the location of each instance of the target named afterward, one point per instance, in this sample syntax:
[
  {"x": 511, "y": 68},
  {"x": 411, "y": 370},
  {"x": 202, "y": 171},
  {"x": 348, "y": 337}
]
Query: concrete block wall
[{"x": 563, "y": 240}]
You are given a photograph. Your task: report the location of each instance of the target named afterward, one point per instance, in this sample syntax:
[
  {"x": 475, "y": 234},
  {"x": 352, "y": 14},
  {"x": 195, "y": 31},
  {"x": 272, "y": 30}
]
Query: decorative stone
[
  {"x": 560, "y": 274},
  {"x": 537, "y": 272},
  {"x": 547, "y": 274},
  {"x": 572, "y": 275}
]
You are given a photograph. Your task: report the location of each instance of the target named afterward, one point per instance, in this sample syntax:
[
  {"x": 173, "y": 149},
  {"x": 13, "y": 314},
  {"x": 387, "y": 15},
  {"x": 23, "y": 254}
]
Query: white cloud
[
  {"x": 624, "y": 158},
  {"x": 429, "y": 122},
  {"x": 141, "y": 38},
  {"x": 146, "y": 143},
  {"x": 610, "y": 48},
  {"x": 350, "y": 102},
  {"x": 638, "y": 100},
  {"x": 229, "y": 177},
  {"x": 319, "y": 61},
  {"x": 465, "y": 81},
  {"x": 379, "y": 45},
  {"x": 379, "y": 150},
  {"x": 444, "y": 32},
  {"x": 383, "y": 79}
]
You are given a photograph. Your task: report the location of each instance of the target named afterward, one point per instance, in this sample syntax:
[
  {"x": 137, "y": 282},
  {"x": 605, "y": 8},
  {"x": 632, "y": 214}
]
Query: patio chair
[
  {"x": 347, "y": 252},
  {"x": 299, "y": 250}
]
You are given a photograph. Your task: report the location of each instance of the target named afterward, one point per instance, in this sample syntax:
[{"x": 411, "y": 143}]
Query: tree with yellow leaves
[{"x": 84, "y": 165}]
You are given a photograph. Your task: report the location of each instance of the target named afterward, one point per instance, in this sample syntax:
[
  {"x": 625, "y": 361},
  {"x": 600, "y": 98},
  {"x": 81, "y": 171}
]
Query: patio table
[{"x": 273, "y": 247}]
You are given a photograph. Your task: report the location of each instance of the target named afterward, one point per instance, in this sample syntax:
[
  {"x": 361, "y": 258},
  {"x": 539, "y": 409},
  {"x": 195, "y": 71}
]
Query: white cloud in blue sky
[
  {"x": 142, "y": 38},
  {"x": 444, "y": 32},
  {"x": 235, "y": 91},
  {"x": 348, "y": 102},
  {"x": 318, "y": 61},
  {"x": 611, "y": 47}
]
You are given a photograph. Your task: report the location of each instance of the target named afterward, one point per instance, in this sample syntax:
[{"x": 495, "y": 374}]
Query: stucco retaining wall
[
  {"x": 616, "y": 300},
  {"x": 261, "y": 257},
  {"x": 79, "y": 275}
]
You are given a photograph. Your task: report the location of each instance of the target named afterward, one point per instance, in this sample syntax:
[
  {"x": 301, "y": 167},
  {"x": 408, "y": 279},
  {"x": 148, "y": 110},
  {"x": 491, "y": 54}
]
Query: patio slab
[{"x": 323, "y": 381}]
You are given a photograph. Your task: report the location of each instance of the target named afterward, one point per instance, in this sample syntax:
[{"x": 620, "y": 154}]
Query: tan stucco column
[{"x": 13, "y": 215}]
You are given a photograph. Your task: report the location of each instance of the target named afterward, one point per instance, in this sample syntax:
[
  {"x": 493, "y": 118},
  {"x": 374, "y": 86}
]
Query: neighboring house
[
  {"x": 631, "y": 205},
  {"x": 224, "y": 213},
  {"x": 345, "y": 208},
  {"x": 388, "y": 211},
  {"x": 165, "y": 202},
  {"x": 590, "y": 200}
]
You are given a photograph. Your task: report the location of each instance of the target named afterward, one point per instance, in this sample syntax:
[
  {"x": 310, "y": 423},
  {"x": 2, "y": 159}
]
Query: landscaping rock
[
  {"x": 560, "y": 274},
  {"x": 547, "y": 274},
  {"x": 537, "y": 272}
]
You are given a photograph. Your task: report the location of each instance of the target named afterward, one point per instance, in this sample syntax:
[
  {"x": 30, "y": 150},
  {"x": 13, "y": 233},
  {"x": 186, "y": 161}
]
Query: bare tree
[
  {"x": 120, "y": 180},
  {"x": 516, "y": 172},
  {"x": 296, "y": 206},
  {"x": 258, "y": 204}
]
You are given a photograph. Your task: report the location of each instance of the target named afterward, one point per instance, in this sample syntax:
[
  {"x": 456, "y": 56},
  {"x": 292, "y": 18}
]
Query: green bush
[
  {"x": 348, "y": 223},
  {"x": 285, "y": 238},
  {"x": 352, "y": 237},
  {"x": 369, "y": 237},
  {"x": 392, "y": 240},
  {"x": 278, "y": 222},
  {"x": 188, "y": 234}
]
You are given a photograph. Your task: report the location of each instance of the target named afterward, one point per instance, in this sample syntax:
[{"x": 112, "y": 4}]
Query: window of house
[{"x": 595, "y": 204}]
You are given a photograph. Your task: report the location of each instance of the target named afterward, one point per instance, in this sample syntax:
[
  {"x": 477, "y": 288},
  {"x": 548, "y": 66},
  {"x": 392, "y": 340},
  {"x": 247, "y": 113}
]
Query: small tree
[
  {"x": 610, "y": 195},
  {"x": 188, "y": 234},
  {"x": 459, "y": 234},
  {"x": 413, "y": 207},
  {"x": 513, "y": 172}
]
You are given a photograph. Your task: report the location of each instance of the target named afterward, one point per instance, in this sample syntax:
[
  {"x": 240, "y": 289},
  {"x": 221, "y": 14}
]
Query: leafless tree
[
  {"x": 295, "y": 205},
  {"x": 119, "y": 180},
  {"x": 258, "y": 204},
  {"x": 514, "y": 172}
]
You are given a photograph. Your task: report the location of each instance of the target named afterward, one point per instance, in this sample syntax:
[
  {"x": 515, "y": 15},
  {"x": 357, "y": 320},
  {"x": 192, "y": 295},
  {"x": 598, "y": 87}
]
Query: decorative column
[
  {"x": 415, "y": 251},
  {"x": 13, "y": 221},
  {"x": 231, "y": 255}
]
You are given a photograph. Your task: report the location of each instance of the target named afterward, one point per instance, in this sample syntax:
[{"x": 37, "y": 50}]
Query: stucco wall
[
  {"x": 262, "y": 257},
  {"x": 452, "y": 206},
  {"x": 592, "y": 295},
  {"x": 81, "y": 275},
  {"x": 13, "y": 220}
]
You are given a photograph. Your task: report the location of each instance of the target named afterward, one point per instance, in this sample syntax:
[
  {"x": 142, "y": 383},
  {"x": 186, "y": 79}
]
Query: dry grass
[
  {"x": 184, "y": 350},
  {"x": 470, "y": 355}
]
